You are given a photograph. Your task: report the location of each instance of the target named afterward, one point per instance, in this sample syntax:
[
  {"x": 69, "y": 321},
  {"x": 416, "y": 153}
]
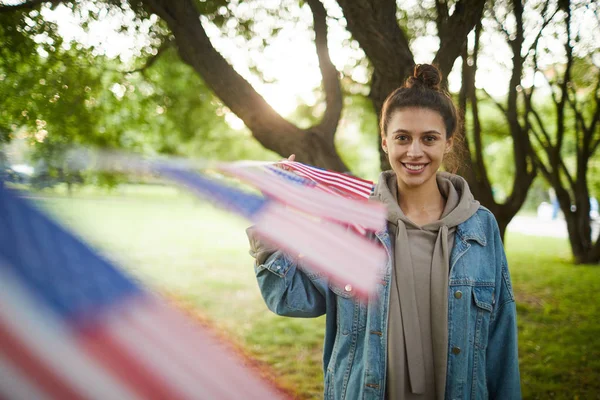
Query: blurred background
[{"x": 250, "y": 79}]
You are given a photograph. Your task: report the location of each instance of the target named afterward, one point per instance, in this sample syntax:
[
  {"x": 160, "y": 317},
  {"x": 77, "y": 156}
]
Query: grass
[
  {"x": 190, "y": 250},
  {"x": 558, "y": 305}
]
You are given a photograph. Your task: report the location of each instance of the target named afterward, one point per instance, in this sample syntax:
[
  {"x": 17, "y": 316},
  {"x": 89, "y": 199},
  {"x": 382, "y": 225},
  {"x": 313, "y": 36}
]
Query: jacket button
[
  {"x": 348, "y": 288},
  {"x": 458, "y": 294},
  {"x": 456, "y": 350}
]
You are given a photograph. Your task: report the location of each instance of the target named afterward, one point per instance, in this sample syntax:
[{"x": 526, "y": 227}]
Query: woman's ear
[
  {"x": 449, "y": 144},
  {"x": 384, "y": 144}
]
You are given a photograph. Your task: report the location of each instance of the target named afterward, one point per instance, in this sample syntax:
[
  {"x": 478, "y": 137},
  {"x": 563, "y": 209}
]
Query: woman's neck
[{"x": 422, "y": 204}]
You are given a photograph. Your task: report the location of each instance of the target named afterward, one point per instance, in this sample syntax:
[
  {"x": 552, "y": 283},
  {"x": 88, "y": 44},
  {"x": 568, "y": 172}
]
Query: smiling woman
[{"x": 442, "y": 324}]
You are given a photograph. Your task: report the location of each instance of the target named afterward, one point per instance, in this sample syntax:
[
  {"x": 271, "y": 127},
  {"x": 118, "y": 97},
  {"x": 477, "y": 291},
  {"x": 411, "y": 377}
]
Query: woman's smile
[{"x": 413, "y": 168}]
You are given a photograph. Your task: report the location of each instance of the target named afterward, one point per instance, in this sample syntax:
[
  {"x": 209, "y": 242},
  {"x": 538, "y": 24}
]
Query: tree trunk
[
  {"x": 373, "y": 24},
  {"x": 578, "y": 226},
  {"x": 312, "y": 146}
]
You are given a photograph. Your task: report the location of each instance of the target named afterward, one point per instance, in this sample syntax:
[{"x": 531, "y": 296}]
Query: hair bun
[{"x": 426, "y": 75}]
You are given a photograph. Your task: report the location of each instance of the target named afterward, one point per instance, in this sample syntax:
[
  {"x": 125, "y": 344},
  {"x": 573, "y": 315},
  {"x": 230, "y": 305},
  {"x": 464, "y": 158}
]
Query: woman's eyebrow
[
  {"x": 432, "y": 131},
  {"x": 429, "y": 132}
]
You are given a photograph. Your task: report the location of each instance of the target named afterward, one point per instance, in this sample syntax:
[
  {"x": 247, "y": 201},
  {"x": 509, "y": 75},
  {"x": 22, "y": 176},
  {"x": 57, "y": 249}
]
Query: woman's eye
[
  {"x": 402, "y": 138},
  {"x": 430, "y": 138}
]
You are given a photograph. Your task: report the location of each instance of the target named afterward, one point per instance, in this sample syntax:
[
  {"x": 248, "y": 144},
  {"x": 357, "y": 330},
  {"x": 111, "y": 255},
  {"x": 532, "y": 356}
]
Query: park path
[{"x": 531, "y": 225}]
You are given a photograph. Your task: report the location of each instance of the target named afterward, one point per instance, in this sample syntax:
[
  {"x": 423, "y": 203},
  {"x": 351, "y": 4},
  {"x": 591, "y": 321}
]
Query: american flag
[
  {"x": 72, "y": 326},
  {"x": 344, "y": 256},
  {"x": 310, "y": 196},
  {"x": 341, "y": 184}
]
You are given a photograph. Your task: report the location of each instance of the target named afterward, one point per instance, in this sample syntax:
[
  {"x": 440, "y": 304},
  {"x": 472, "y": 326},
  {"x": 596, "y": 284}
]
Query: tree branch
[
  {"x": 563, "y": 166},
  {"x": 595, "y": 146},
  {"x": 552, "y": 93},
  {"x": 496, "y": 103},
  {"x": 560, "y": 106},
  {"x": 374, "y": 26},
  {"x": 533, "y": 46},
  {"x": 441, "y": 7},
  {"x": 500, "y": 25},
  {"x": 164, "y": 46},
  {"x": 196, "y": 49},
  {"x": 581, "y": 143},
  {"x": 540, "y": 166},
  {"x": 331, "y": 82},
  {"x": 454, "y": 32},
  {"x": 540, "y": 123},
  {"x": 595, "y": 120},
  {"x": 466, "y": 168},
  {"x": 482, "y": 170}
]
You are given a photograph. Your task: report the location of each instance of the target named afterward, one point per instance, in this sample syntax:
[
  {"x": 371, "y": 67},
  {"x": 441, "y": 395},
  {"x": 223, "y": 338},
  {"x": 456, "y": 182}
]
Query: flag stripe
[
  {"x": 291, "y": 176},
  {"x": 345, "y": 190},
  {"x": 145, "y": 350},
  {"x": 117, "y": 358},
  {"x": 349, "y": 184},
  {"x": 16, "y": 384},
  {"x": 25, "y": 360},
  {"x": 359, "y": 182},
  {"x": 143, "y": 323},
  {"x": 217, "y": 366},
  {"x": 369, "y": 215},
  {"x": 345, "y": 257},
  {"x": 38, "y": 329}
]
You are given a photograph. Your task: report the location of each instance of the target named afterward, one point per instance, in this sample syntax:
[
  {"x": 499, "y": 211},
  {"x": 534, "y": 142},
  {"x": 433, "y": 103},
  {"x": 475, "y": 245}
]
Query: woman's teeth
[{"x": 415, "y": 167}]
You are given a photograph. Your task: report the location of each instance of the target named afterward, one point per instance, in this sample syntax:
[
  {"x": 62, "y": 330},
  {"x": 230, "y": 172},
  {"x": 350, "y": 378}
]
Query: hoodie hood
[{"x": 460, "y": 203}]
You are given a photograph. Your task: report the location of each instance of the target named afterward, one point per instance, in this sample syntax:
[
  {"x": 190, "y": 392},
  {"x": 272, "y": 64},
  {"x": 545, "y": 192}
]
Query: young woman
[{"x": 443, "y": 321}]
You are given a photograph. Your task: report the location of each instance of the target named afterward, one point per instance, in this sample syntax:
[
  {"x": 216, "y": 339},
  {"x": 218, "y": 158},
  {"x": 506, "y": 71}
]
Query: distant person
[
  {"x": 593, "y": 208},
  {"x": 554, "y": 202},
  {"x": 442, "y": 323}
]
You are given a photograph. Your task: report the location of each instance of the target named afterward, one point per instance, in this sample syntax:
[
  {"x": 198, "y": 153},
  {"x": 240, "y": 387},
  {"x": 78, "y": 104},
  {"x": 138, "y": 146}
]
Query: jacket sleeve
[
  {"x": 287, "y": 288},
  {"x": 502, "y": 370}
]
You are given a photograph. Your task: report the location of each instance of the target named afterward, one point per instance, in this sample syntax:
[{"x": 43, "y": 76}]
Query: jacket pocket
[
  {"x": 484, "y": 299},
  {"x": 351, "y": 312}
]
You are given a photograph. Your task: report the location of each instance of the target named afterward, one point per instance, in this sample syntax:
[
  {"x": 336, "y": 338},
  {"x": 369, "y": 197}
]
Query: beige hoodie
[{"x": 418, "y": 309}]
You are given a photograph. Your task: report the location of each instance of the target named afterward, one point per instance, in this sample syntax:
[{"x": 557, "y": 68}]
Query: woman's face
[{"x": 415, "y": 142}]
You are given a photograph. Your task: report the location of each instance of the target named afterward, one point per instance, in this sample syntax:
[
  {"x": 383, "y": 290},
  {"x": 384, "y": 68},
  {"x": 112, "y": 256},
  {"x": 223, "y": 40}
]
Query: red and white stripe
[
  {"x": 343, "y": 256},
  {"x": 40, "y": 350},
  {"x": 323, "y": 186},
  {"x": 314, "y": 201},
  {"x": 350, "y": 186},
  {"x": 190, "y": 363},
  {"x": 141, "y": 350}
]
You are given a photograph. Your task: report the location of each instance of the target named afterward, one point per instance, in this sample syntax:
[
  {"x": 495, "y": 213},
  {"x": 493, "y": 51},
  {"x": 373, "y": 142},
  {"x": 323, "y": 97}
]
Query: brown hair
[{"x": 422, "y": 90}]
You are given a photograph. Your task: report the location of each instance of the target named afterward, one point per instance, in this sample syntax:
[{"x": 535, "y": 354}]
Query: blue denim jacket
[{"x": 482, "y": 327}]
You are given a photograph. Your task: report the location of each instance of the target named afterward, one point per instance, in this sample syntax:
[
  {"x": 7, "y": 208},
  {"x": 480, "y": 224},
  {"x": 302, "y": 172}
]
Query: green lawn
[{"x": 190, "y": 250}]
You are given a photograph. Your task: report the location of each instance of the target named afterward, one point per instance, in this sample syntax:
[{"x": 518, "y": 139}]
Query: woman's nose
[{"x": 415, "y": 149}]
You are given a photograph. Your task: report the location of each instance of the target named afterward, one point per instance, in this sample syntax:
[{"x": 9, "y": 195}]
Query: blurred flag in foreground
[
  {"x": 72, "y": 326},
  {"x": 306, "y": 211},
  {"x": 298, "y": 219}
]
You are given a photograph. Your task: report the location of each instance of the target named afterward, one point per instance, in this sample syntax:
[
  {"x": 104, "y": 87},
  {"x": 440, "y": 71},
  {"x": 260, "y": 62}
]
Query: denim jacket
[{"x": 482, "y": 327}]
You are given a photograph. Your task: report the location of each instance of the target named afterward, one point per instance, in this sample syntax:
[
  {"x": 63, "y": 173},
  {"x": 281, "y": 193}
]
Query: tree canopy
[{"x": 547, "y": 121}]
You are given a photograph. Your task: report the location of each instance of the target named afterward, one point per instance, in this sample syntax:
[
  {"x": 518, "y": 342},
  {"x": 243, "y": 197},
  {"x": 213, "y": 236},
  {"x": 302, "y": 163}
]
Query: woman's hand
[{"x": 292, "y": 157}]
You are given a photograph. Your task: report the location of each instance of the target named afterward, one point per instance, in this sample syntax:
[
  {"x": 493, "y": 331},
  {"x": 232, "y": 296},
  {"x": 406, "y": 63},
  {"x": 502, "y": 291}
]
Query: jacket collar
[{"x": 470, "y": 230}]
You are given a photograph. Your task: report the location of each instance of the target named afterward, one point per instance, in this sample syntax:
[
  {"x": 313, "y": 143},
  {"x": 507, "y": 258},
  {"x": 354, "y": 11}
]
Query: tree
[
  {"x": 475, "y": 168},
  {"x": 575, "y": 97},
  {"x": 55, "y": 95},
  {"x": 372, "y": 23}
]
